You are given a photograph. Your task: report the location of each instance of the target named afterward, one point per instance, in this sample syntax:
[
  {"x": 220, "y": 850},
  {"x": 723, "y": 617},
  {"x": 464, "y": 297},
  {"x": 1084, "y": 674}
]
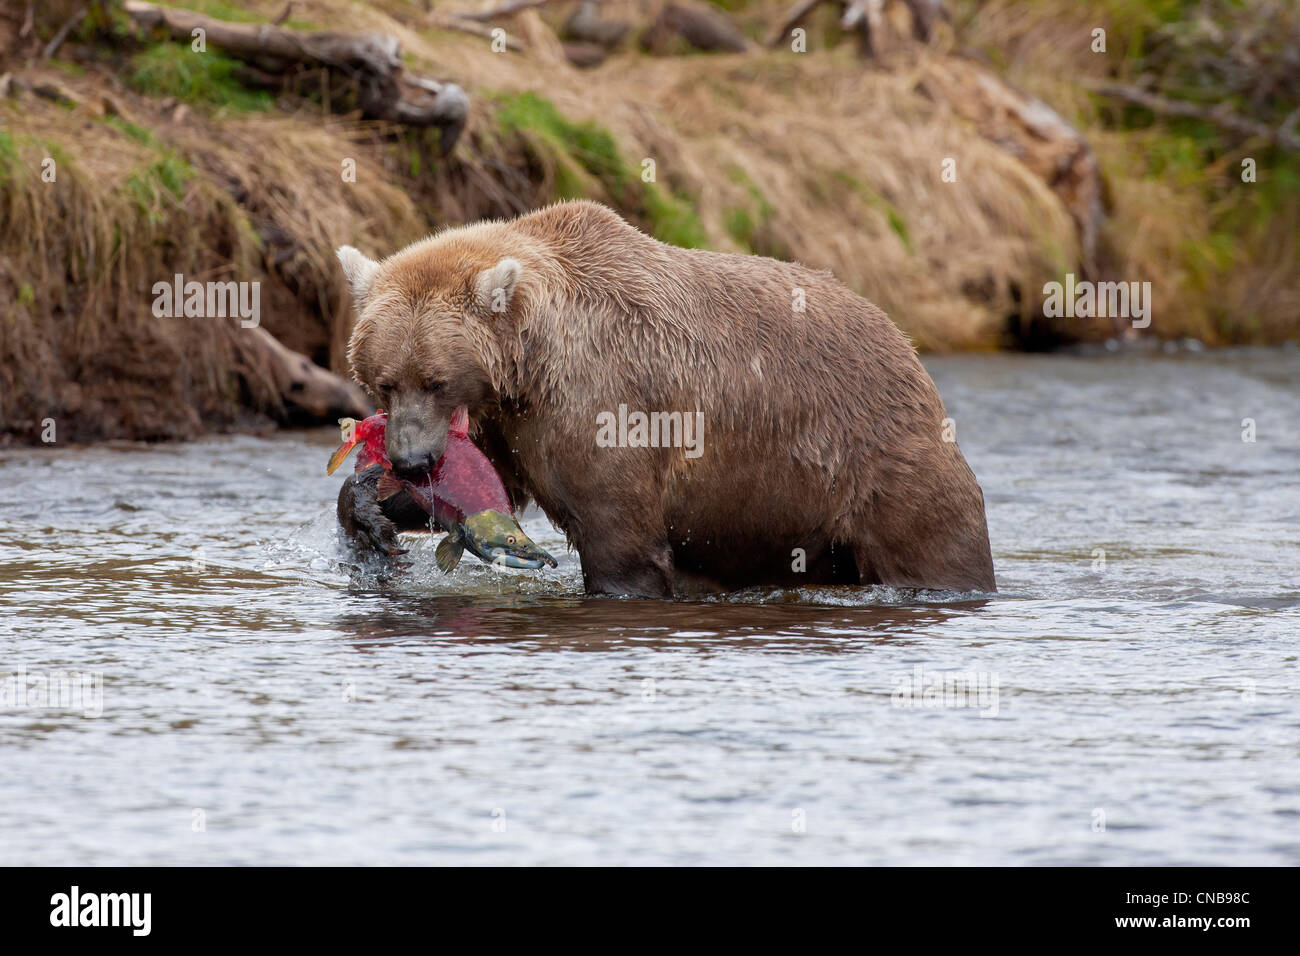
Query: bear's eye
[
  {"x": 384, "y": 390},
  {"x": 437, "y": 386}
]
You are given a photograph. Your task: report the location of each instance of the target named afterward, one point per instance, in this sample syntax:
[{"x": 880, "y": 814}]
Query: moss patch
[
  {"x": 159, "y": 185},
  {"x": 587, "y": 164},
  {"x": 201, "y": 79}
]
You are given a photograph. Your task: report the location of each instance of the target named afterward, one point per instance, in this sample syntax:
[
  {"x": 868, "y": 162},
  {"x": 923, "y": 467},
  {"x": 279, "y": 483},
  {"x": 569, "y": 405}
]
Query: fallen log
[
  {"x": 475, "y": 29},
  {"x": 701, "y": 27},
  {"x": 1220, "y": 115},
  {"x": 386, "y": 90},
  {"x": 505, "y": 10},
  {"x": 585, "y": 55},
  {"x": 299, "y": 381},
  {"x": 585, "y": 26},
  {"x": 864, "y": 17}
]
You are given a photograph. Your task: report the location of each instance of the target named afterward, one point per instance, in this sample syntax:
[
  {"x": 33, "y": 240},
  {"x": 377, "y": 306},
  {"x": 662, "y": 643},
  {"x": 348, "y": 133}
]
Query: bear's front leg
[
  {"x": 622, "y": 543},
  {"x": 627, "y": 568},
  {"x": 610, "y": 512}
]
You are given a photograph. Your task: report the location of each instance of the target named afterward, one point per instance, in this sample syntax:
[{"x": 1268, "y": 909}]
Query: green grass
[
  {"x": 8, "y": 155},
  {"x": 1186, "y": 153},
  {"x": 591, "y": 146},
  {"x": 1230, "y": 224},
  {"x": 65, "y": 66},
  {"x": 221, "y": 10},
  {"x": 586, "y": 154},
  {"x": 150, "y": 188},
  {"x": 201, "y": 79},
  {"x": 235, "y": 13},
  {"x": 749, "y": 225},
  {"x": 673, "y": 220},
  {"x": 137, "y": 133},
  {"x": 878, "y": 202}
]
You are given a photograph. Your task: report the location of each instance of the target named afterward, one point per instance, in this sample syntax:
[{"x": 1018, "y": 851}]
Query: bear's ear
[
  {"x": 360, "y": 270},
  {"x": 495, "y": 287}
]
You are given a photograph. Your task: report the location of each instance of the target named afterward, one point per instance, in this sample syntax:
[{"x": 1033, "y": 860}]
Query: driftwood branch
[
  {"x": 285, "y": 14},
  {"x": 505, "y": 10},
  {"x": 585, "y": 26},
  {"x": 44, "y": 87},
  {"x": 864, "y": 17},
  {"x": 52, "y": 47},
  {"x": 297, "y": 379},
  {"x": 1220, "y": 115},
  {"x": 854, "y": 18},
  {"x": 475, "y": 29},
  {"x": 704, "y": 28},
  {"x": 386, "y": 91}
]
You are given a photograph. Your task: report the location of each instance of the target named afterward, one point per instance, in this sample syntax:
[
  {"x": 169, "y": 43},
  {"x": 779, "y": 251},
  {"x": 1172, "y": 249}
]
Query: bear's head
[{"x": 419, "y": 346}]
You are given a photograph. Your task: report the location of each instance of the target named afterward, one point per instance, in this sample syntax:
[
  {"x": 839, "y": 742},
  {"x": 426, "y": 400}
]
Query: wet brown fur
[{"x": 822, "y": 431}]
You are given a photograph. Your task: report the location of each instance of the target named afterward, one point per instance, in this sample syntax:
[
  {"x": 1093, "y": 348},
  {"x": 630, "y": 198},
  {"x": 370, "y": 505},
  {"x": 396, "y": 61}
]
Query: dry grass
[
  {"x": 296, "y": 200},
  {"x": 1221, "y": 254},
  {"x": 817, "y": 157},
  {"x": 134, "y": 205},
  {"x": 212, "y": 195},
  {"x": 81, "y": 344}
]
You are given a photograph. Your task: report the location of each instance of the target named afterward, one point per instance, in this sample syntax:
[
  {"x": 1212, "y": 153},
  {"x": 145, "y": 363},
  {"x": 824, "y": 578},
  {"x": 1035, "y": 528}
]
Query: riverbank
[{"x": 167, "y": 161}]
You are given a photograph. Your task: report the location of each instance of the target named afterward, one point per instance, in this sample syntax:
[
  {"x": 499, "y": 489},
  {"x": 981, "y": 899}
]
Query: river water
[{"x": 232, "y": 692}]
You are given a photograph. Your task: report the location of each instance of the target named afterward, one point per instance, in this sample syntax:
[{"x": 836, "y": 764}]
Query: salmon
[{"x": 462, "y": 493}]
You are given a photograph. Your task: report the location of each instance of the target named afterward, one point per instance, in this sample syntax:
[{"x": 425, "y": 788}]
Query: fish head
[
  {"x": 369, "y": 434},
  {"x": 496, "y": 538}
]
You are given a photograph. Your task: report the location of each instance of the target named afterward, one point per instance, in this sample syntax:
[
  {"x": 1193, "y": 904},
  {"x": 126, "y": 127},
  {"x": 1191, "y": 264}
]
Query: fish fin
[
  {"x": 348, "y": 426},
  {"x": 388, "y": 485},
  {"x": 448, "y": 554},
  {"x": 338, "y": 458},
  {"x": 460, "y": 422}
]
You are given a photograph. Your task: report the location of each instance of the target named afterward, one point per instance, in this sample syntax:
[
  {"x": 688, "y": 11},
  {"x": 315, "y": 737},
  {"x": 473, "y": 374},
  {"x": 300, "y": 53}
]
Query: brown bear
[{"x": 690, "y": 420}]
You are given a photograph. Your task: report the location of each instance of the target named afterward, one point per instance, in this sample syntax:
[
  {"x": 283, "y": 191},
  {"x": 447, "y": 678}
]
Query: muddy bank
[{"x": 911, "y": 169}]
